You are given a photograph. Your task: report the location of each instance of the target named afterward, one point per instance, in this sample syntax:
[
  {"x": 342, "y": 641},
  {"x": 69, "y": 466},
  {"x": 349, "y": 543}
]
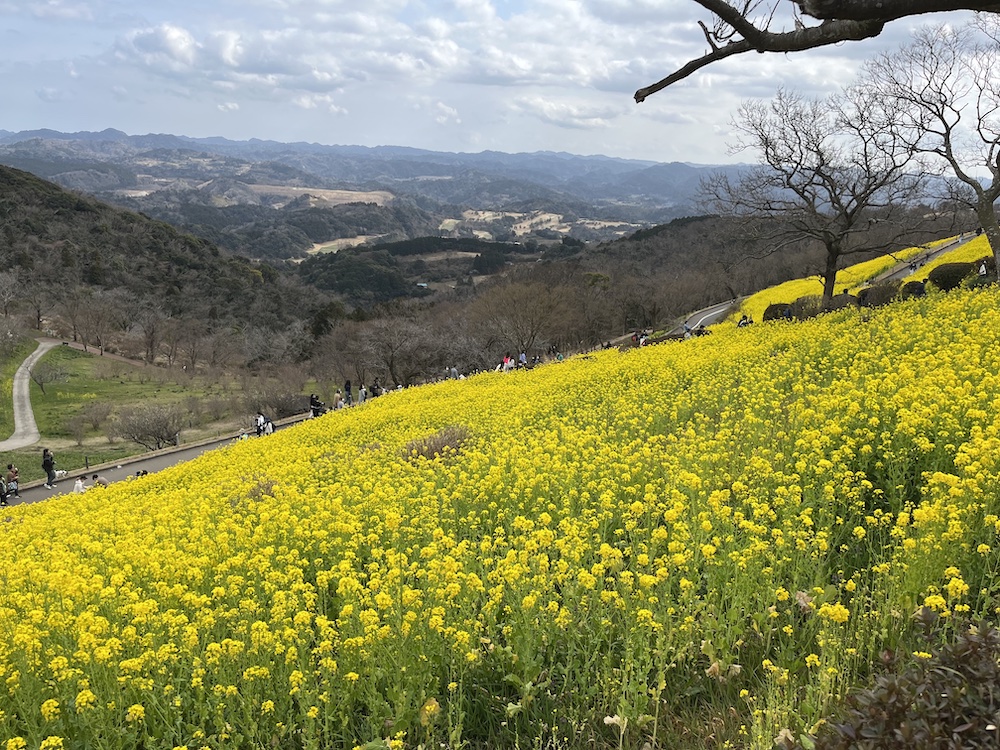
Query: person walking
[
  {"x": 49, "y": 467},
  {"x": 347, "y": 393}
]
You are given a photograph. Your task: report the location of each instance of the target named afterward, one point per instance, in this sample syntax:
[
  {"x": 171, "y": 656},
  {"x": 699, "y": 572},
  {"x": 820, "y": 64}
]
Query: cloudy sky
[{"x": 447, "y": 75}]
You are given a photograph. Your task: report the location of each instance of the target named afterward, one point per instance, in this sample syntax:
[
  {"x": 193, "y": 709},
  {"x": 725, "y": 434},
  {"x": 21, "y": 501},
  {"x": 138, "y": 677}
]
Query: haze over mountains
[{"x": 215, "y": 187}]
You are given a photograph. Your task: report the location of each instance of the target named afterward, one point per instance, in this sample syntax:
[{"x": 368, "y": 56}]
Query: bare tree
[
  {"x": 193, "y": 341},
  {"x": 151, "y": 321},
  {"x": 10, "y": 289},
  {"x": 828, "y": 173},
  {"x": 71, "y": 306},
  {"x": 946, "y": 86},
  {"x": 152, "y": 426},
  {"x": 44, "y": 373},
  {"x": 519, "y": 314},
  {"x": 397, "y": 346},
  {"x": 98, "y": 317},
  {"x": 40, "y": 297},
  {"x": 756, "y": 26}
]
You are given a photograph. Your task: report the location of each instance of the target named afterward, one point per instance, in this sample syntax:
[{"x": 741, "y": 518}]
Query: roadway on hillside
[
  {"x": 908, "y": 268},
  {"x": 25, "y": 429}
]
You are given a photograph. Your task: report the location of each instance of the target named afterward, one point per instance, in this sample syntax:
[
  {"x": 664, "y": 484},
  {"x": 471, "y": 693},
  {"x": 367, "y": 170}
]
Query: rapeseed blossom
[{"x": 756, "y": 513}]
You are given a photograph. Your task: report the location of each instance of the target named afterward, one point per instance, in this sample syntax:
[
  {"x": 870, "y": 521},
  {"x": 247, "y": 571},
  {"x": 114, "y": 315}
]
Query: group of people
[
  {"x": 344, "y": 398},
  {"x": 263, "y": 425},
  {"x": 521, "y": 363},
  {"x": 79, "y": 486},
  {"x": 10, "y": 484}
]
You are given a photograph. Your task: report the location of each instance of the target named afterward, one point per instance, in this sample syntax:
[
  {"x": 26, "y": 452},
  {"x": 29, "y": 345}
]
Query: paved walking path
[{"x": 25, "y": 429}]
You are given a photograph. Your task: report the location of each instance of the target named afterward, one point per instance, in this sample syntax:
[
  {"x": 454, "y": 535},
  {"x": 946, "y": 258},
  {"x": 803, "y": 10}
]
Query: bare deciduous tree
[
  {"x": 519, "y": 315},
  {"x": 756, "y": 26},
  {"x": 397, "y": 346},
  {"x": 828, "y": 172},
  {"x": 45, "y": 373},
  {"x": 946, "y": 88},
  {"x": 10, "y": 289},
  {"x": 152, "y": 426}
]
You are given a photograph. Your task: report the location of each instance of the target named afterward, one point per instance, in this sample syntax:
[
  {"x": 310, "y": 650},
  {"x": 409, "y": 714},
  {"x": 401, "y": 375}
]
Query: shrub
[
  {"x": 96, "y": 413},
  {"x": 807, "y": 307},
  {"x": 440, "y": 443},
  {"x": 77, "y": 427},
  {"x": 840, "y": 301},
  {"x": 947, "y": 700},
  {"x": 776, "y": 311},
  {"x": 912, "y": 289},
  {"x": 152, "y": 426},
  {"x": 950, "y": 276},
  {"x": 275, "y": 399},
  {"x": 879, "y": 294}
]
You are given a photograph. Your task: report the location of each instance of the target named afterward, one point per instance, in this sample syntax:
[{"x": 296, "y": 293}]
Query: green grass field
[{"x": 73, "y": 414}]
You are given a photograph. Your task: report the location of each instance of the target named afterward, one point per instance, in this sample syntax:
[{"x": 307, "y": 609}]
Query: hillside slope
[
  {"x": 702, "y": 541},
  {"x": 57, "y": 240}
]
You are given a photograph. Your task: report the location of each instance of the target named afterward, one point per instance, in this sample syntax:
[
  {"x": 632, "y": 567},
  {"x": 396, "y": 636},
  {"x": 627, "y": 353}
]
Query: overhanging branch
[
  {"x": 829, "y": 32},
  {"x": 842, "y": 21}
]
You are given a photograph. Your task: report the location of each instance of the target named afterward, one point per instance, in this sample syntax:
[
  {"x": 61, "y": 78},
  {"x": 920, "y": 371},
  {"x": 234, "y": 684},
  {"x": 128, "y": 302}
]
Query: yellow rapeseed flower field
[
  {"x": 720, "y": 533},
  {"x": 853, "y": 278}
]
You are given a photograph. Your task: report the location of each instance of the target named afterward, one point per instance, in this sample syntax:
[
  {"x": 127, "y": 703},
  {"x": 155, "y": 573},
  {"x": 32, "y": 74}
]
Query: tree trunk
[
  {"x": 988, "y": 221},
  {"x": 830, "y": 275}
]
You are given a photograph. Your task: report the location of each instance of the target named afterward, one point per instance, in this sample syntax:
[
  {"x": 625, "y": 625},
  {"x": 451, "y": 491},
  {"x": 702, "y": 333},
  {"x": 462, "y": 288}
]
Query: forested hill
[{"x": 56, "y": 241}]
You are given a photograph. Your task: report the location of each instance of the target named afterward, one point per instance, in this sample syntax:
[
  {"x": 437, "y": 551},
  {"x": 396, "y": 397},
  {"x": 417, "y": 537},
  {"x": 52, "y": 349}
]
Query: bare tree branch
[{"x": 854, "y": 20}]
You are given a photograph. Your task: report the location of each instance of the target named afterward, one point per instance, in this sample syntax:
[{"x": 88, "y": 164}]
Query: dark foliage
[
  {"x": 950, "y": 701},
  {"x": 879, "y": 294},
  {"x": 950, "y": 276},
  {"x": 912, "y": 289},
  {"x": 427, "y": 245},
  {"x": 489, "y": 262},
  {"x": 807, "y": 307},
  {"x": 777, "y": 311},
  {"x": 362, "y": 277}
]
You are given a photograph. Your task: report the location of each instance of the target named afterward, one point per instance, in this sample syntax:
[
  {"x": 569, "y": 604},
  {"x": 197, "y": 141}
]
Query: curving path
[{"x": 25, "y": 429}]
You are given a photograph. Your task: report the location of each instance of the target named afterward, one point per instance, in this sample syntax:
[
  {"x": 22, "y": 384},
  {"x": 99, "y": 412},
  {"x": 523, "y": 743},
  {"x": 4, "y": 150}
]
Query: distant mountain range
[{"x": 250, "y": 184}]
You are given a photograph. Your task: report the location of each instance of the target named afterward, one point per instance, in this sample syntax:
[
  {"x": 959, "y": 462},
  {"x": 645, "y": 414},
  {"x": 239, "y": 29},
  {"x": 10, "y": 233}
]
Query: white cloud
[
  {"x": 446, "y": 115},
  {"x": 50, "y": 94},
  {"x": 61, "y": 10},
  {"x": 567, "y": 114},
  {"x": 166, "y": 47},
  {"x": 517, "y": 75}
]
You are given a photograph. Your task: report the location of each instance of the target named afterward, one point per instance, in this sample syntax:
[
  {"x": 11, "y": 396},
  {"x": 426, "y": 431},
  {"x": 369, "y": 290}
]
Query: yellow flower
[
  {"x": 957, "y": 588},
  {"x": 812, "y": 660},
  {"x": 834, "y": 612},
  {"x": 935, "y": 602},
  {"x": 429, "y": 711},
  {"x": 135, "y": 712},
  {"x": 85, "y": 699},
  {"x": 50, "y": 709},
  {"x": 16, "y": 743},
  {"x": 52, "y": 742},
  {"x": 267, "y": 707}
]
